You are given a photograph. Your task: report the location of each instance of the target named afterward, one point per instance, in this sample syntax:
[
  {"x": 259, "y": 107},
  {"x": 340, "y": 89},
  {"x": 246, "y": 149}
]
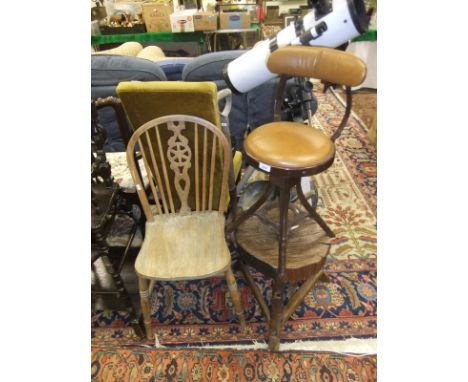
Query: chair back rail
[
  {"x": 190, "y": 158},
  {"x": 326, "y": 64}
]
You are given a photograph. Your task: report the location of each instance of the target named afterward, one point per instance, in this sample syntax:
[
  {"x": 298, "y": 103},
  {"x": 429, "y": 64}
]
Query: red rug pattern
[
  {"x": 151, "y": 365},
  {"x": 354, "y": 146},
  {"x": 200, "y": 312}
]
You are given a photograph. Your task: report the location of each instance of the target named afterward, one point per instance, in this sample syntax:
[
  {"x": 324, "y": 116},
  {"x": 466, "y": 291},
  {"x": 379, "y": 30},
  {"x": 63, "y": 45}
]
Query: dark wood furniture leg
[
  {"x": 313, "y": 213},
  {"x": 276, "y": 321},
  {"x": 255, "y": 289},
  {"x": 123, "y": 293},
  {"x": 102, "y": 252}
]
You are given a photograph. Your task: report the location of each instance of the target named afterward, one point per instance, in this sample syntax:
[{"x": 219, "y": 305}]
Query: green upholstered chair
[{"x": 144, "y": 101}]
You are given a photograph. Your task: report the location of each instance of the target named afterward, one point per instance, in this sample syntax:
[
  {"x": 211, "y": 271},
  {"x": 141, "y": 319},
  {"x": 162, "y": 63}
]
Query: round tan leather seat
[{"x": 289, "y": 146}]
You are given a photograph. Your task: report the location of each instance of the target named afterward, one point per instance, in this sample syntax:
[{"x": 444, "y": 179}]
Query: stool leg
[
  {"x": 312, "y": 212},
  {"x": 298, "y": 297},
  {"x": 143, "y": 285},
  {"x": 278, "y": 283},
  {"x": 235, "y": 296},
  {"x": 255, "y": 290},
  {"x": 276, "y": 315},
  {"x": 243, "y": 182}
]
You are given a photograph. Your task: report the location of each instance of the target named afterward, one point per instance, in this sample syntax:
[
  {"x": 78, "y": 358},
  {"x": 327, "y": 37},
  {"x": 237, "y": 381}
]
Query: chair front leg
[
  {"x": 143, "y": 285},
  {"x": 235, "y": 296}
]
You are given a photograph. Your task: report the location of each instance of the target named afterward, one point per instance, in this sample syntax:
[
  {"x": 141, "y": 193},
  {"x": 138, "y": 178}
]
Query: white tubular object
[
  {"x": 340, "y": 26},
  {"x": 249, "y": 70},
  {"x": 346, "y": 21}
]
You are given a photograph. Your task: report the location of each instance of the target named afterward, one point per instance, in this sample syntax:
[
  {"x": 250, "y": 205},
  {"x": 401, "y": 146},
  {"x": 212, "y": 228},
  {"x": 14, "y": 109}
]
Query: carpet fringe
[
  {"x": 158, "y": 344},
  {"x": 351, "y": 346}
]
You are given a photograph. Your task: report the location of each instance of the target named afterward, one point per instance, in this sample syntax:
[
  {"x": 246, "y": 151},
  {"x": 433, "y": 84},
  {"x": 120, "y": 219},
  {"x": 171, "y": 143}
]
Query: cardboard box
[
  {"x": 182, "y": 21},
  {"x": 272, "y": 13},
  {"x": 205, "y": 21},
  {"x": 157, "y": 17},
  {"x": 234, "y": 20}
]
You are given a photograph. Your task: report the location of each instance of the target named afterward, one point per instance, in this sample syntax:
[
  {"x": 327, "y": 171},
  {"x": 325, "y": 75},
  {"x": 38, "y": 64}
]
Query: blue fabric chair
[
  {"x": 174, "y": 66},
  {"x": 107, "y": 71}
]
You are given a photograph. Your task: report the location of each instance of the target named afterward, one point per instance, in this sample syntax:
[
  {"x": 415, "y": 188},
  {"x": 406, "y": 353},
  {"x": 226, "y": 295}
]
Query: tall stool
[{"x": 287, "y": 151}]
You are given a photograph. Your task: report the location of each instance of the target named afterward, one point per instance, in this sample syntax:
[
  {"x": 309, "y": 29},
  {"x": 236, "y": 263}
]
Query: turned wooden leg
[
  {"x": 143, "y": 285},
  {"x": 151, "y": 286},
  {"x": 276, "y": 316},
  {"x": 255, "y": 290},
  {"x": 276, "y": 321},
  {"x": 324, "y": 278},
  {"x": 300, "y": 295},
  {"x": 312, "y": 212},
  {"x": 235, "y": 296},
  {"x": 123, "y": 294}
]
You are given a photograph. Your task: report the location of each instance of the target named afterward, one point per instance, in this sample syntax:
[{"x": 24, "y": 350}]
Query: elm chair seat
[{"x": 199, "y": 236}]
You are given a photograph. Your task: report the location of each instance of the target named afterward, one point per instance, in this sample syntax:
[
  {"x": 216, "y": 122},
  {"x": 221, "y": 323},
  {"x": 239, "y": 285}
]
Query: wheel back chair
[
  {"x": 188, "y": 160},
  {"x": 294, "y": 249}
]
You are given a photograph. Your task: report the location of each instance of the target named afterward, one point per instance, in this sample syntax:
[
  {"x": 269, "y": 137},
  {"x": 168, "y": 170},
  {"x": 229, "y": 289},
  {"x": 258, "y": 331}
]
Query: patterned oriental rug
[
  {"x": 200, "y": 312},
  {"x": 139, "y": 364}
]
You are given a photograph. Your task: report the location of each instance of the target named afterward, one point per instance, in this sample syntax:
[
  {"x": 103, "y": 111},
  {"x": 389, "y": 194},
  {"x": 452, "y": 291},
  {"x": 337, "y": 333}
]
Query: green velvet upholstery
[
  {"x": 237, "y": 163},
  {"x": 144, "y": 101}
]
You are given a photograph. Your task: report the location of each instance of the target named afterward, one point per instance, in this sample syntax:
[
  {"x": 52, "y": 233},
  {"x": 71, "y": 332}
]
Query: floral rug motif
[
  {"x": 200, "y": 312},
  {"x": 353, "y": 146},
  {"x": 364, "y": 104},
  {"x": 142, "y": 364}
]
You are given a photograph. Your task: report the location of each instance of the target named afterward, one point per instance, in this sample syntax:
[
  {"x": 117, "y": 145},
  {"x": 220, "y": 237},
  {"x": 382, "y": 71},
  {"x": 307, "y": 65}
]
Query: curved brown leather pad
[{"x": 335, "y": 66}]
